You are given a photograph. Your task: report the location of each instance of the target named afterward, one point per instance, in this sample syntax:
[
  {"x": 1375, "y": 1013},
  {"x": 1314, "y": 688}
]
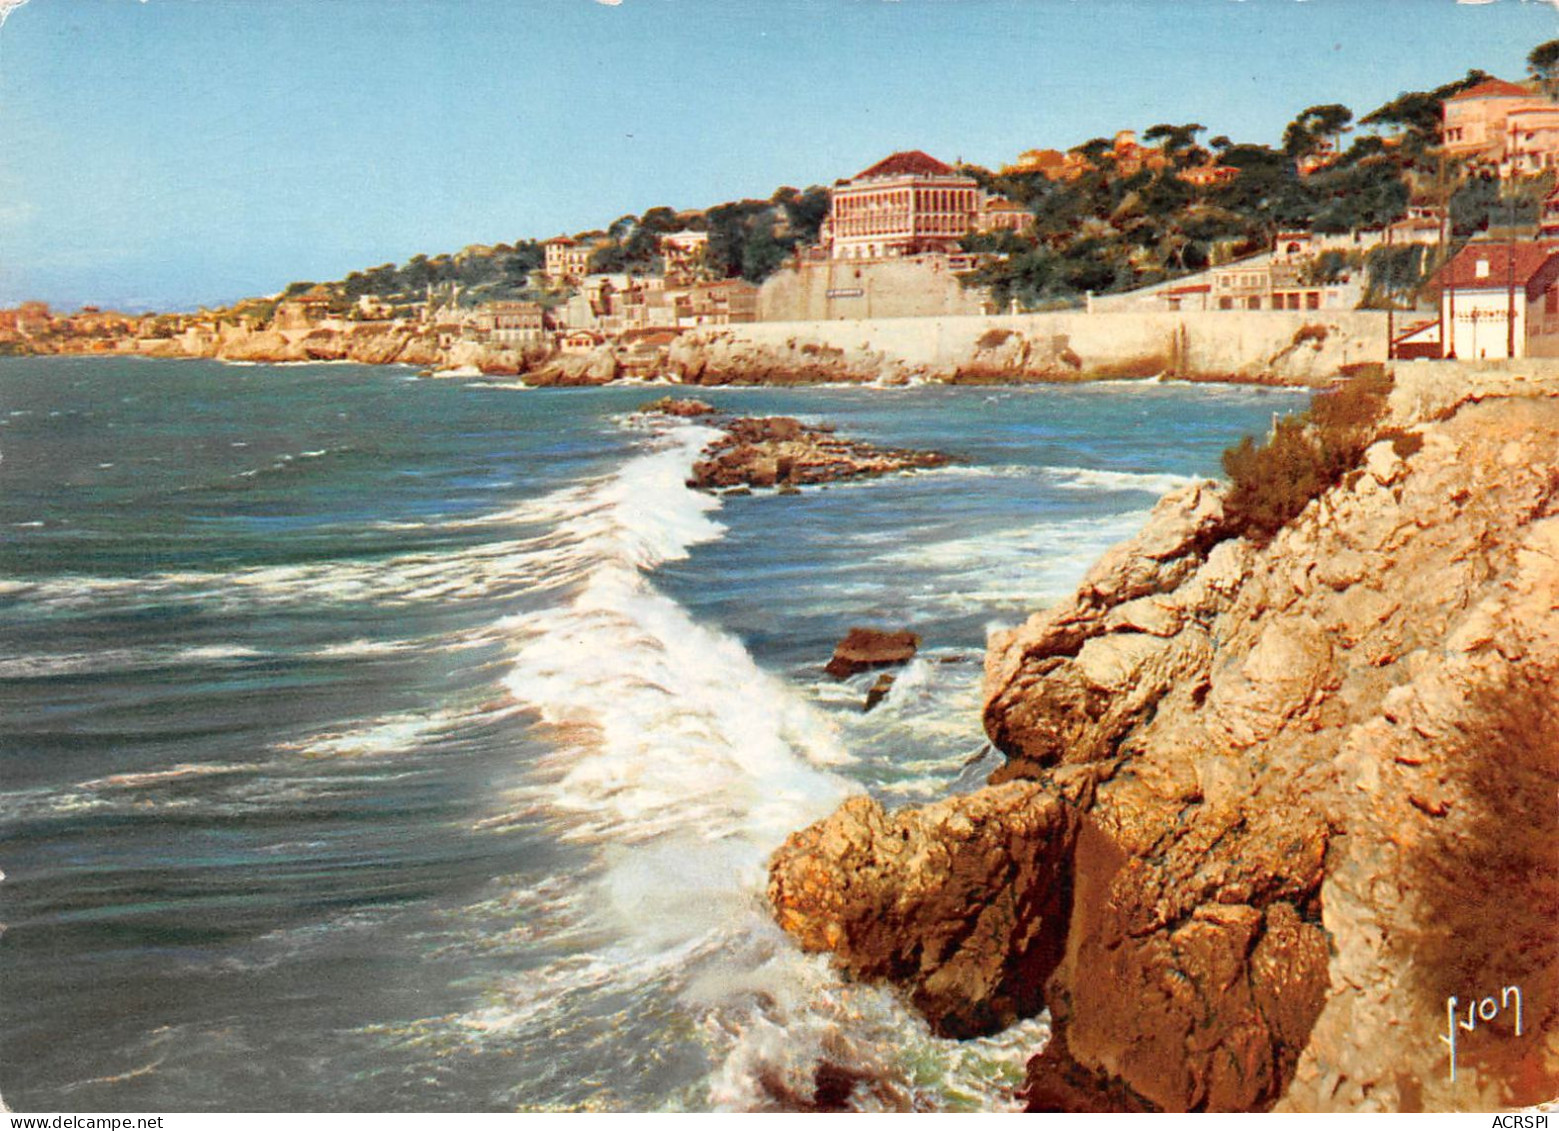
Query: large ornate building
[
  {"x": 912, "y": 204},
  {"x": 906, "y": 204}
]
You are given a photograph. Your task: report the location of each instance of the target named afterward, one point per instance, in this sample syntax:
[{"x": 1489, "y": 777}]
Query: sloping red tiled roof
[
  {"x": 1509, "y": 264},
  {"x": 911, "y": 163},
  {"x": 1492, "y": 88}
]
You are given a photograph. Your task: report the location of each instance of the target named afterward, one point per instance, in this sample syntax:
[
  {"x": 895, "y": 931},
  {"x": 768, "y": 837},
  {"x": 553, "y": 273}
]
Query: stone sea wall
[
  {"x": 1267, "y": 809},
  {"x": 1279, "y": 347}
]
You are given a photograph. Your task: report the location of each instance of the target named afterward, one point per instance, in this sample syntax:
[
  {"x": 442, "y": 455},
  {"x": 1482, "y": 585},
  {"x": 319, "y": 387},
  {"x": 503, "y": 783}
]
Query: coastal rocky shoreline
[
  {"x": 1270, "y": 812},
  {"x": 1273, "y": 348}
]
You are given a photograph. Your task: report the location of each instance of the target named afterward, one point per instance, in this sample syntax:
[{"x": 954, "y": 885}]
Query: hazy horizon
[{"x": 170, "y": 153}]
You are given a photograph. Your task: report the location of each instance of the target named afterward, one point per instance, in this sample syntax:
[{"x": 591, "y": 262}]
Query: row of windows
[
  {"x": 922, "y": 200},
  {"x": 902, "y": 223},
  {"x": 871, "y": 251},
  {"x": 1292, "y": 300},
  {"x": 875, "y": 226},
  {"x": 942, "y": 225}
]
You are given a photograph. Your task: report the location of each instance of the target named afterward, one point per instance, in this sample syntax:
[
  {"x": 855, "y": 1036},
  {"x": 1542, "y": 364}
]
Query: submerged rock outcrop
[
  {"x": 780, "y": 451},
  {"x": 1266, "y": 808},
  {"x": 865, "y": 648}
]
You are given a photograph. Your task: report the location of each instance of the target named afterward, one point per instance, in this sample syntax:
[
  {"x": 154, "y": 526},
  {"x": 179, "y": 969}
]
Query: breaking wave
[{"x": 1093, "y": 479}]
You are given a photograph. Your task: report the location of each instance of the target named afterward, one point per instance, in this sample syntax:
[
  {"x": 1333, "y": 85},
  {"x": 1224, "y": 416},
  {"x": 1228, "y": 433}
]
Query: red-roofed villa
[
  {"x": 906, "y": 204},
  {"x": 1475, "y": 119},
  {"x": 1500, "y": 300}
]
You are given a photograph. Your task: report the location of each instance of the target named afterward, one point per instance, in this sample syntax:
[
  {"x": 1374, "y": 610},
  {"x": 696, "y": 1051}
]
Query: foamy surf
[
  {"x": 561, "y": 912},
  {"x": 1094, "y": 479},
  {"x": 671, "y": 740},
  {"x": 667, "y": 725}
]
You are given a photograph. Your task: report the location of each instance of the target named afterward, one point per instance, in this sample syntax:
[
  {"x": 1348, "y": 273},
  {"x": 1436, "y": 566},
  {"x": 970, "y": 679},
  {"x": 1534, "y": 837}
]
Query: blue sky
[{"x": 167, "y": 153}]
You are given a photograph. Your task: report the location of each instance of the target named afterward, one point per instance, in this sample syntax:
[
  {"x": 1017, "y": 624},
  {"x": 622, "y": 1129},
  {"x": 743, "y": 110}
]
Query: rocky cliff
[{"x": 1267, "y": 808}]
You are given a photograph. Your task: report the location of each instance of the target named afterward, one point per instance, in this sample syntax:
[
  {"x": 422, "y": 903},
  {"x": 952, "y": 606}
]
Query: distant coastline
[{"x": 1263, "y": 347}]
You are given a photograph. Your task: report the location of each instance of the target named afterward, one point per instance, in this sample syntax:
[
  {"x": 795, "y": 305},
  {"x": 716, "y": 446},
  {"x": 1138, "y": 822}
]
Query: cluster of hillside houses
[{"x": 892, "y": 245}]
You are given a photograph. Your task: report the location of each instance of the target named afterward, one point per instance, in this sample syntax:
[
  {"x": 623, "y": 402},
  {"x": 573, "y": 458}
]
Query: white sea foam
[
  {"x": 675, "y": 744},
  {"x": 1037, "y": 563},
  {"x": 134, "y": 791},
  {"x": 777, "y": 1015},
  {"x": 297, "y": 364},
  {"x": 980, "y": 471},
  {"x": 512, "y": 386},
  {"x": 388, "y": 734},
  {"x": 50, "y": 665},
  {"x": 207, "y": 652},
  {"x": 483, "y": 570},
  {"x": 364, "y": 649},
  {"x": 1098, "y": 479},
  {"x": 672, "y": 729},
  {"x": 173, "y": 773}
]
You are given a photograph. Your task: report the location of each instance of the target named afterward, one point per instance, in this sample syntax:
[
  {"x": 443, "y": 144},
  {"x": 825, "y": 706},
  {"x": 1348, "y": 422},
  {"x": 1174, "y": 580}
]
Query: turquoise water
[{"x": 379, "y": 743}]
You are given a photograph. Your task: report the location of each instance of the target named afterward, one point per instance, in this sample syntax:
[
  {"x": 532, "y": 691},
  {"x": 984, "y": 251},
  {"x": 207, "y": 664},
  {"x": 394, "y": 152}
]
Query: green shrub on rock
[{"x": 1305, "y": 455}]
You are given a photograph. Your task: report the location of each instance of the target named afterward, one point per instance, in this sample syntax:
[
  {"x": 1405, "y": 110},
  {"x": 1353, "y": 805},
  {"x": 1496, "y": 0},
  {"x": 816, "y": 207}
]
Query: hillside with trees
[
  {"x": 1106, "y": 230},
  {"x": 748, "y": 239},
  {"x": 1110, "y": 230}
]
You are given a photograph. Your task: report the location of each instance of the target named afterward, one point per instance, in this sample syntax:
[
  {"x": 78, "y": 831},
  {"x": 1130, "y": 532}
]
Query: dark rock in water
[
  {"x": 765, "y": 429},
  {"x": 761, "y": 472},
  {"x": 671, "y": 406},
  {"x": 879, "y": 691},
  {"x": 766, "y": 451},
  {"x": 865, "y": 648},
  {"x": 736, "y": 492},
  {"x": 834, "y": 1087}
]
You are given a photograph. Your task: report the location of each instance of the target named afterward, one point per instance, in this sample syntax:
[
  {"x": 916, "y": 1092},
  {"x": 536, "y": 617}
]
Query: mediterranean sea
[{"x": 377, "y": 743}]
